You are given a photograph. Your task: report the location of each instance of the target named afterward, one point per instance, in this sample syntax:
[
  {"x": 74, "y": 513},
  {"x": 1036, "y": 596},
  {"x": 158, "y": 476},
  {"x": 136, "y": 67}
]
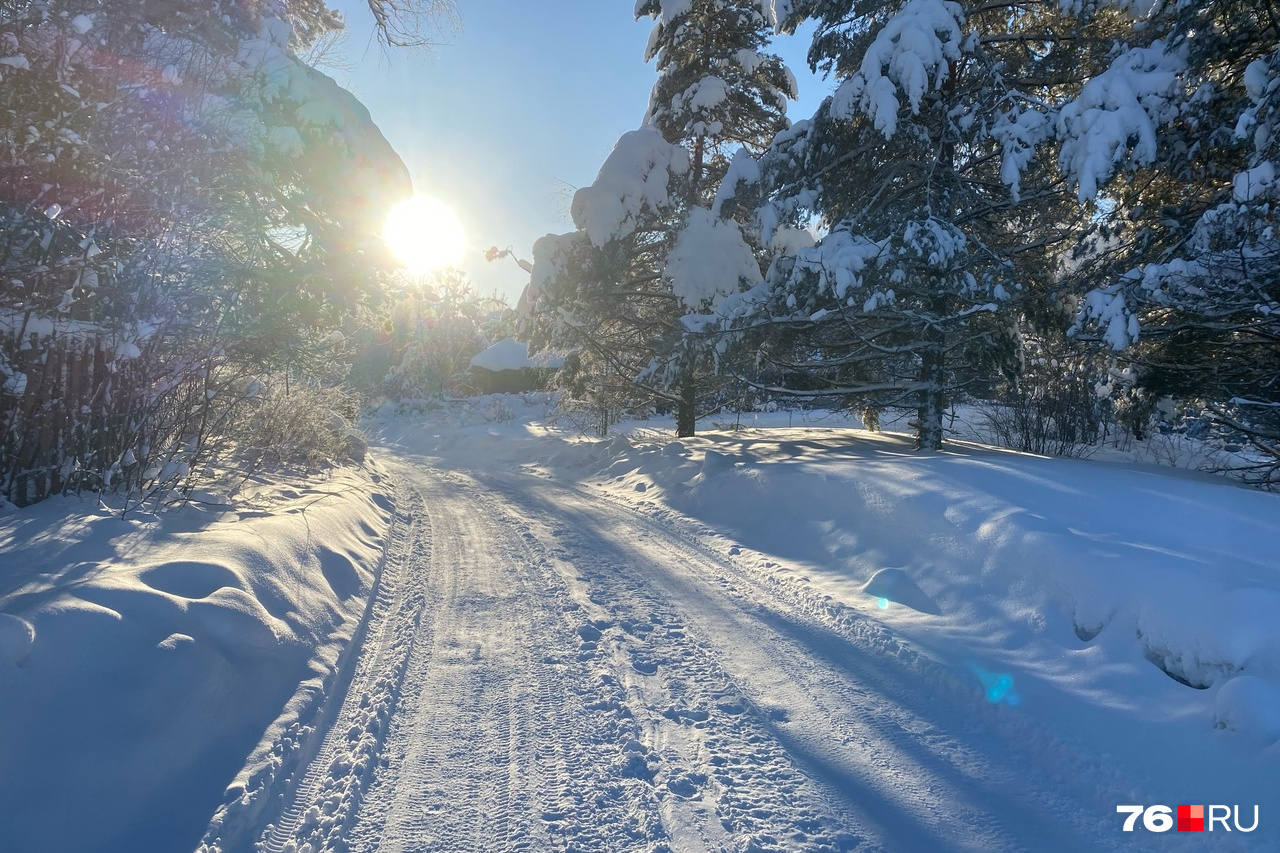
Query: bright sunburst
[{"x": 424, "y": 234}]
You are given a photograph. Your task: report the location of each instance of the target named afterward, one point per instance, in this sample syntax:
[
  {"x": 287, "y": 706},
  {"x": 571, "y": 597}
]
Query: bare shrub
[{"x": 1052, "y": 409}]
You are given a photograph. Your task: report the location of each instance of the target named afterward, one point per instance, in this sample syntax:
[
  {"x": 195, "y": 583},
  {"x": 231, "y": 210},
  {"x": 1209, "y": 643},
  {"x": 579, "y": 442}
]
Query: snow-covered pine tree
[
  {"x": 718, "y": 88},
  {"x": 921, "y": 169},
  {"x": 617, "y": 290},
  {"x": 1181, "y": 134}
]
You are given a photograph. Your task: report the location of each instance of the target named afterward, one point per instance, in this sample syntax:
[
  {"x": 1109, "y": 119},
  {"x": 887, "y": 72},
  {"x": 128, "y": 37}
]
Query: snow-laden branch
[
  {"x": 911, "y": 55},
  {"x": 1118, "y": 115},
  {"x": 635, "y": 180}
]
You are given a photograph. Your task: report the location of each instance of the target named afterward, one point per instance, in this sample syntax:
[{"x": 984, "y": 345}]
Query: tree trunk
[
  {"x": 929, "y": 432},
  {"x": 933, "y": 377},
  {"x": 686, "y": 415}
]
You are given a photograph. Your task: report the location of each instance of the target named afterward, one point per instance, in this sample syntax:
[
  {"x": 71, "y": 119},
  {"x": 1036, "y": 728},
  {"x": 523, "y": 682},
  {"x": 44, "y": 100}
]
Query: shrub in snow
[
  {"x": 295, "y": 426},
  {"x": 438, "y": 325},
  {"x": 1052, "y": 408}
]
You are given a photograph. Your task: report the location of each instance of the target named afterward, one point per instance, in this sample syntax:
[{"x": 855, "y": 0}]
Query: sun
[{"x": 424, "y": 234}]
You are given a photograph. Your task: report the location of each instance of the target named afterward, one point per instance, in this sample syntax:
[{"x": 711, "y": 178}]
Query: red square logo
[{"x": 1190, "y": 818}]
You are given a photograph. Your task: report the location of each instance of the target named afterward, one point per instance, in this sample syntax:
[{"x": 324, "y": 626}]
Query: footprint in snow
[{"x": 644, "y": 666}]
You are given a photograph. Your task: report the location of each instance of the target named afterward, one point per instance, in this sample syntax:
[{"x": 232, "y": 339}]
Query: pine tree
[
  {"x": 1189, "y": 253},
  {"x": 619, "y": 289},
  {"x": 922, "y": 169}
]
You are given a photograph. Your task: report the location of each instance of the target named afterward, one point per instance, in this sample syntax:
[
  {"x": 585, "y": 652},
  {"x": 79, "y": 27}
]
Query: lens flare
[{"x": 999, "y": 686}]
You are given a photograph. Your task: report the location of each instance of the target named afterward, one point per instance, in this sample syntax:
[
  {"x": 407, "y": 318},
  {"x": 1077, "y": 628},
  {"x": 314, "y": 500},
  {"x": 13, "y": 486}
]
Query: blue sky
[{"x": 517, "y": 110}]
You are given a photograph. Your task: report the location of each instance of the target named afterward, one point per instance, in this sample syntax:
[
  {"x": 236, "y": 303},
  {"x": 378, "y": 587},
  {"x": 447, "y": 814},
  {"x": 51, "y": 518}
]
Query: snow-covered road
[{"x": 548, "y": 670}]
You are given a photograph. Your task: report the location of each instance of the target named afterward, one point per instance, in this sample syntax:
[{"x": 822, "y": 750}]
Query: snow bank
[
  {"x": 142, "y": 660},
  {"x": 1130, "y": 609}
]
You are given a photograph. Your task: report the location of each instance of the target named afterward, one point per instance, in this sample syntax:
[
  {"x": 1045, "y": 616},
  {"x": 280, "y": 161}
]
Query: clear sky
[{"x": 517, "y": 110}]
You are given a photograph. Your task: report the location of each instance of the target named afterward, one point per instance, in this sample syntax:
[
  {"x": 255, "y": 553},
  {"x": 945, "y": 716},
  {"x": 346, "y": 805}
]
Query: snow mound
[
  {"x": 510, "y": 354},
  {"x": 16, "y": 638},
  {"x": 897, "y": 586},
  {"x": 168, "y": 645},
  {"x": 714, "y": 462},
  {"x": 1251, "y": 706}
]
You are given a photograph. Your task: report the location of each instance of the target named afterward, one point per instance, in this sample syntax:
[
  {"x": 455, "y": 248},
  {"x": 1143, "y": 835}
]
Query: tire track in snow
[
  {"x": 719, "y": 779},
  {"x": 450, "y": 749},
  {"x": 327, "y": 789},
  {"x": 507, "y": 736}
]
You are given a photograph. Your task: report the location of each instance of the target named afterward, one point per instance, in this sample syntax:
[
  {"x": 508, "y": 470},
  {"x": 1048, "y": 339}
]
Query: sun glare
[{"x": 425, "y": 235}]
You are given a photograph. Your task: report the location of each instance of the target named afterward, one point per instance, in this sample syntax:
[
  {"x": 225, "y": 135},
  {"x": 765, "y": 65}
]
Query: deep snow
[
  {"x": 142, "y": 659},
  {"x": 1117, "y": 623}
]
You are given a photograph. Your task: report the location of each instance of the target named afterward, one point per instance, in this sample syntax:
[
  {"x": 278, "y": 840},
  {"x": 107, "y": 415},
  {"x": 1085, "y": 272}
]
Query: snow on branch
[
  {"x": 911, "y": 54},
  {"x": 665, "y": 11},
  {"x": 743, "y": 169},
  {"x": 710, "y": 260},
  {"x": 776, "y": 12},
  {"x": 838, "y": 262},
  {"x": 1108, "y": 311},
  {"x": 1020, "y": 131},
  {"x": 634, "y": 180},
  {"x": 1136, "y": 9},
  {"x": 1117, "y": 116}
]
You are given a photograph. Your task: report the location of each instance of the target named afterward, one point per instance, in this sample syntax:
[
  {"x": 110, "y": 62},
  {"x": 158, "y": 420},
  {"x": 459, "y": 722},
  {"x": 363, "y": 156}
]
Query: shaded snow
[
  {"x": 143, "y": 659},
  {"x": 1118, "y": 611}
]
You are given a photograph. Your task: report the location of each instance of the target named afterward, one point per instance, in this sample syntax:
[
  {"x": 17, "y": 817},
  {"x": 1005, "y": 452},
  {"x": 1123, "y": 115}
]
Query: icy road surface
[{"x": 546, "y": 670}]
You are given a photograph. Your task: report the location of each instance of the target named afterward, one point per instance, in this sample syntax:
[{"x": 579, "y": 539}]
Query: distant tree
[{"x": 438, "y": 324}]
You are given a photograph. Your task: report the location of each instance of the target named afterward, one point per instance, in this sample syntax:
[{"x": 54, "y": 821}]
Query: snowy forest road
[{"x": 547, "y": 670}]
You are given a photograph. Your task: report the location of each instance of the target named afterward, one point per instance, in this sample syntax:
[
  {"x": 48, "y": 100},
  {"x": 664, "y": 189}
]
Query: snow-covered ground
[
  {"x": 793, "y": 636},
  {"x": 142, "y": 659}
]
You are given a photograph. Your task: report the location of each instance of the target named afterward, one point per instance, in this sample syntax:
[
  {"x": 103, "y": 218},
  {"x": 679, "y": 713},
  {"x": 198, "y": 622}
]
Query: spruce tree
[{"x": 1188, "y": 253}]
